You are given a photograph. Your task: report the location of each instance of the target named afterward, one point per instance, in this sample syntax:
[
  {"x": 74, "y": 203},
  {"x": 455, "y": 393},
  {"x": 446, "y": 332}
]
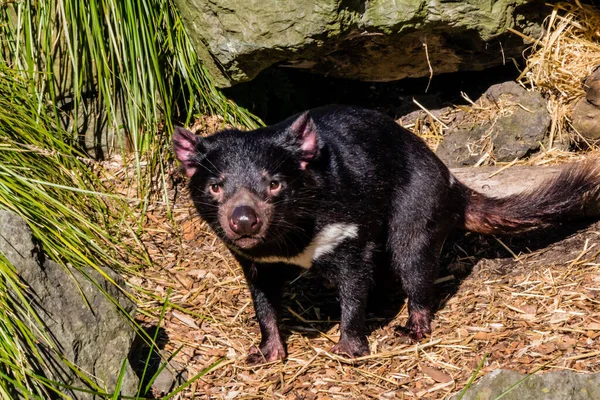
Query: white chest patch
[{"x": 324, "y": 242}]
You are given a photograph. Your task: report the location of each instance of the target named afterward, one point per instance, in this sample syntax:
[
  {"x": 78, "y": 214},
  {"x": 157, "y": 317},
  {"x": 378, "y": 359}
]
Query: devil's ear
[
  {"x": 305, "y": 140},
  {"x": 186, "y": 149}
]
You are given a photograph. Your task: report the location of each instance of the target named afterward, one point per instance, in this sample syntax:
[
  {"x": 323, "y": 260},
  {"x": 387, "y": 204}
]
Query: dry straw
[
  {"x": 556, "y": 63},
  {"x": 562, "y": 58}
]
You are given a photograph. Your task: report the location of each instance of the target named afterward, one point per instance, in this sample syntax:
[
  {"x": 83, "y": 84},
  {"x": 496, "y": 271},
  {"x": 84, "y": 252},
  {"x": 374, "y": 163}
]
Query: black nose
[{"x": 244, "y": 221}]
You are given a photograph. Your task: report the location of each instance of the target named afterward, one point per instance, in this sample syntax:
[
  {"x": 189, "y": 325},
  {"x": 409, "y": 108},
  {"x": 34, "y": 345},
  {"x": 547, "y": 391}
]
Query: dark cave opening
[{"x": 279, "y": 92}]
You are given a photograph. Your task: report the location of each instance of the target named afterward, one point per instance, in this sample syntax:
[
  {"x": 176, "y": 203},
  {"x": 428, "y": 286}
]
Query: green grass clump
[
  {"x": 133, "y": 56},
  {"x": 62, "y": 62},
  {"x": 48, "y": 183}
]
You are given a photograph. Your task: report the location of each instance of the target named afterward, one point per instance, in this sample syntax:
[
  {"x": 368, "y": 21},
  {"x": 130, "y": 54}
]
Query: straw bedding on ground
[{"x": 527, "y": 304}]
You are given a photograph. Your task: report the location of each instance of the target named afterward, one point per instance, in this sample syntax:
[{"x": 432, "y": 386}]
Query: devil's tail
[{"x": 568, "y": 196}]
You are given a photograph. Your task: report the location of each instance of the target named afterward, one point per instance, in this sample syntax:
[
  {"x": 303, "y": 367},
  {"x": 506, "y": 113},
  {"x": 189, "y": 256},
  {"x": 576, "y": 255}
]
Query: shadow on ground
[
  {"x": 311, "y": 306},
  {"x": 148, "y": 362}
]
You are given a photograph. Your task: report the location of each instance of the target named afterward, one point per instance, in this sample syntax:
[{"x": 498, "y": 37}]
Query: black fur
[{"x": 347, "y": 165}]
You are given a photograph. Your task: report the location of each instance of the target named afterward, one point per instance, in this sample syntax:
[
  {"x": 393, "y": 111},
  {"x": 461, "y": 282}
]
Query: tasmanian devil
[{"x": 332, "y": 189}]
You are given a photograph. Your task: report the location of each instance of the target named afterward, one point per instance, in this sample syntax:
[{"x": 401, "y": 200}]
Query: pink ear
[
  {"x": 184, "y": 147},
  {"x": 306, "y": 135}
]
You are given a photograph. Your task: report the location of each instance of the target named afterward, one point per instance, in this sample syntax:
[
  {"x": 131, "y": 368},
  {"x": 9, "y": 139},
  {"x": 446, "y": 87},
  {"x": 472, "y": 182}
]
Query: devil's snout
[{"x": 244, "y": 221}]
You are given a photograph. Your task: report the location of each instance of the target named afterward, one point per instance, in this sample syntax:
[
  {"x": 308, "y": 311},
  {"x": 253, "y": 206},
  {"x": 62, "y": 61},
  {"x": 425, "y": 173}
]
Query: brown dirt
[{"x": 529, "y": 304}]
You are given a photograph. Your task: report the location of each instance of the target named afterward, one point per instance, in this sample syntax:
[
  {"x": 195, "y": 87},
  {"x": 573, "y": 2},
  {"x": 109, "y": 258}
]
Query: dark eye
[
  {"x": 215, "y": 188},
  {"x": 274, "y": 186}
]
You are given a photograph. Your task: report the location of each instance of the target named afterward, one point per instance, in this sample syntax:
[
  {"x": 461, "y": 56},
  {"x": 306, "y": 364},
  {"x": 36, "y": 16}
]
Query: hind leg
[
  {"x": 418, "y": 273},
  {"x": 415, "y": 249},
  {"x": 353, "y": 289}
]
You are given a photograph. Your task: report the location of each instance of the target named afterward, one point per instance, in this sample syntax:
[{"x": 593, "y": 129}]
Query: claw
[
  {"x": 265, "y": 353},
  {"x": 418, "y": 325},
  {"x": 351, "y": 348}
]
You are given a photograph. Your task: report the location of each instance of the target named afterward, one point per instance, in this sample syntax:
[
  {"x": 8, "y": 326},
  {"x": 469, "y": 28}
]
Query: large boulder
[
  {"x": 512, "y": 385},
  {"x": 95, "y": 336},
  {"x": 379, "y": 40}
]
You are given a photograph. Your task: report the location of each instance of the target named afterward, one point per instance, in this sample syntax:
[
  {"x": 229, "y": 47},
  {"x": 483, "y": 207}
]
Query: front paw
[
  {"x": 351, "y": 348},
  {"x": 268, "y": 352},
  {"x": 418, "y": 325}
]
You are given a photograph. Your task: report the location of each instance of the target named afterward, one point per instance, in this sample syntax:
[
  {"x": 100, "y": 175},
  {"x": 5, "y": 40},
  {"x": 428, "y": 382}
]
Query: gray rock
[
  {"x": 379, "y": 40},
  {"x": 98, "y": 134},
  {"x": 586, "y": 113},
  {"x": 413, "y": 116},
  {"x": 97, "y": 338},
  {"x": 586, "y": 120},
  {"x": 556, "y": 385},
  {"x": 463, "y": 147},
  {"x": 591, "y": 85},
  {"x": 169, "y": 378},
  {"x": 513, "y": 134}
]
